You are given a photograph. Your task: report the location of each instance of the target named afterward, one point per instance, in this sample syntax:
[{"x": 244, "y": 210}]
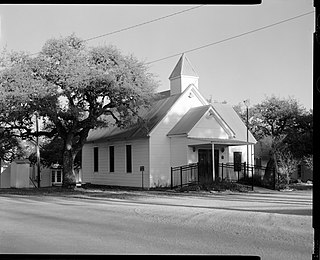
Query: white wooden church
[{"x": 182, "y": 128}]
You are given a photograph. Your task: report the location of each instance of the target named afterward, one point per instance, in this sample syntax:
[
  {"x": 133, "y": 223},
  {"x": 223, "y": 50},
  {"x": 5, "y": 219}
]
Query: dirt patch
[
  {"x": 47, "y": 191},
  {"x": 95, "y": 192},
  {"x": 116, "y": 192},
  {"x": 92, "y": 192}
]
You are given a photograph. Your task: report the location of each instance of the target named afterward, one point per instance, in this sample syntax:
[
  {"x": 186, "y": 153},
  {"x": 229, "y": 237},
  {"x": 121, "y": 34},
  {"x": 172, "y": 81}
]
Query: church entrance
[{"x": 205, "y": 165}]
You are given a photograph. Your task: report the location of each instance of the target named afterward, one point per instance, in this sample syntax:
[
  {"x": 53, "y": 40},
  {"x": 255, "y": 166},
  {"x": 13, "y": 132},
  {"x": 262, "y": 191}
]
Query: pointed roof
[
  {"x": 190, "y": 119},
  {"x": 183, "y": 67},
  {"x": 152, "y": 117},
  {"x": 230, "y": 116},
  {"x": 225, "y": 116}
]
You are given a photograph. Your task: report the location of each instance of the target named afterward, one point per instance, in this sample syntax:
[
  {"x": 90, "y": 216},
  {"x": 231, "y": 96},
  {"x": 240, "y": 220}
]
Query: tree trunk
[
  {"x": 268, "y": 176},
  {"x": 69, "y": 178}
]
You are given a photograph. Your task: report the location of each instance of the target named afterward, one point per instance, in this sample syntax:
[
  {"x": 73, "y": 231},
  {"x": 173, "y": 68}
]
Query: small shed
[
  {"x": 5, "y": 170},
  {"x": 15, "y": 174}
]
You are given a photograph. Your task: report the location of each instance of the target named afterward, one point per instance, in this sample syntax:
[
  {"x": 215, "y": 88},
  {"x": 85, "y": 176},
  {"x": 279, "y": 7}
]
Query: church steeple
[{"x": 182, "y": 76}]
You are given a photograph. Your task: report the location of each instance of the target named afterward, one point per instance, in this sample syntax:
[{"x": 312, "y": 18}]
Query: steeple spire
[
  {"x": 183, "y": 68},
  {"x": 182, "y": 76}
]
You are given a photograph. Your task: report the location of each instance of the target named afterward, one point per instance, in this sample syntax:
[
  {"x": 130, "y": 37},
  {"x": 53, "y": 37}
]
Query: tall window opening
[
  {"x": 111, "y": 158},
  {"x": 95, "y": 159},
  {"x": 129, "y": 158}
]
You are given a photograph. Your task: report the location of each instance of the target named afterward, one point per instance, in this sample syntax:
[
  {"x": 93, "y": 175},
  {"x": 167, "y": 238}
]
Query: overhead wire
[
  {"x": 138, "y": 25},
  {"x": 144, "y": 23},
  {"x": 203, "y": 46},
  {"x": 231, "y": 38},
  {"x": 200, "y": 47}
]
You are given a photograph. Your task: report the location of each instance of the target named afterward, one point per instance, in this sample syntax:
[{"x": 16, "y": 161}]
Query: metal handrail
[
  {"x": 189, "y": 174},
  {"x": 182, "y": 170}
]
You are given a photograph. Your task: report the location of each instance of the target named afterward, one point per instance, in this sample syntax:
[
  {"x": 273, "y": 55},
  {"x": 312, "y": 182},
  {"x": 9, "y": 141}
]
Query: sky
[{"x": 273, "y": 61}]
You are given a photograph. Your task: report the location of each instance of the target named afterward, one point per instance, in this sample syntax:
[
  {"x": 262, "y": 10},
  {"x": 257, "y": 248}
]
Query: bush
[{"x": 226, "y": 185}]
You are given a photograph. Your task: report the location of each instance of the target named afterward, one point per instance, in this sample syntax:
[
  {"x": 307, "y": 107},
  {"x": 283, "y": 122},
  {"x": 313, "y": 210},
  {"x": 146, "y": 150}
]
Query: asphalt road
[{"x": 272, "y": 225}]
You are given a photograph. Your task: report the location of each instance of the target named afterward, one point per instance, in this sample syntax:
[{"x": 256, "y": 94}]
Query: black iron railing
[
  {"x": 253, "y": 175},
  {"x": 184, "y": 175}
]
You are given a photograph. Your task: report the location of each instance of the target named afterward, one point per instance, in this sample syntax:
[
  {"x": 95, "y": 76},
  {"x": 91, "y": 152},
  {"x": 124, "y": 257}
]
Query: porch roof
[{"x": 221, "y": 141}]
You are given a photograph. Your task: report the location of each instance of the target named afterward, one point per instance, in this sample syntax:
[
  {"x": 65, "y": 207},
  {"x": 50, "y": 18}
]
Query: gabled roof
[
  {"x": 227, "y": 112},
  {"x": 183, "y": 67},
  {"x": 226, "y": 117},
  {"x": 188, "y": 121},
  {"x": 152, "y": 117}
]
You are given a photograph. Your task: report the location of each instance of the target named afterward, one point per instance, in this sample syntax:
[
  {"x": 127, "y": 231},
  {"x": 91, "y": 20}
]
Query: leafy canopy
[
  {"x": 73, "y": 89},
  {"x": 281, "y": 124}
]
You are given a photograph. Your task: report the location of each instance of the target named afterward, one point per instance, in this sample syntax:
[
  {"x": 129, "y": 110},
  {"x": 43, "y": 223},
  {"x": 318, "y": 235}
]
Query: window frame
[{"x": 54, "y": 176}]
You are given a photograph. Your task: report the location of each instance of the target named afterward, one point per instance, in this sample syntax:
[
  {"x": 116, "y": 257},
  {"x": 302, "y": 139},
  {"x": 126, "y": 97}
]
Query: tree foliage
[
  {"x": 287, "y": 165},
  {"x": 73, "y": 89},
  {"x": 10, "y": 147},
  {"x": 275, "y": 117},
  {"x": 281, "y": 119},
  {"x": 284, "y": 130},
  {"x": 309, "y": 161},
  {"x": 299, "y": 139},
  {"x": 51, "y": 152}
]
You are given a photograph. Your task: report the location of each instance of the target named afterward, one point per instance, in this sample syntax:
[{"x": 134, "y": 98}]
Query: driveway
[{"x": 273, "y": 225}]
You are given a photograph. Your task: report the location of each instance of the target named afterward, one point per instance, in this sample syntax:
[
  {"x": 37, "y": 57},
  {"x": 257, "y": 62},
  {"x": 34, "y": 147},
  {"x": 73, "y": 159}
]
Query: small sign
[{"x": 141, "y": 168}]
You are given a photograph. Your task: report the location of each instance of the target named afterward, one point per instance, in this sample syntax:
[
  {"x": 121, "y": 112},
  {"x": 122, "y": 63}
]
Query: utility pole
[
  {"x": 247, "y": 102},
  {"x": 38, "y": 150},
  {"x": 316, "y": 150}
]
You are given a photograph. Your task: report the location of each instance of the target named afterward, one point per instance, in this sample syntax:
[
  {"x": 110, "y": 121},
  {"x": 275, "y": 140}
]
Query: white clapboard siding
[
  {"x": 160, "y": 151},
  {"x": 208, "y": 127},
  {"x": 45, "y": 177},
  {"x": 140, "y": 157},
  {"x": 243, "y": 150},
  {"x": 179, "y": 151}
]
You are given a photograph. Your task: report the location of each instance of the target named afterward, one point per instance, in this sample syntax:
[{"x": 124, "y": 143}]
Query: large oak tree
[
  {"x": 282, "y": 126},
  {"x": 72, "y": 88},
  {"x": 283, "y": 121}
]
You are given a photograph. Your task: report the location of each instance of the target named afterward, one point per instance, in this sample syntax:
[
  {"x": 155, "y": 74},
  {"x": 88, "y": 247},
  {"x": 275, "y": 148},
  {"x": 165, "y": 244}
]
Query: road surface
[{"x": 274, "y": 225}]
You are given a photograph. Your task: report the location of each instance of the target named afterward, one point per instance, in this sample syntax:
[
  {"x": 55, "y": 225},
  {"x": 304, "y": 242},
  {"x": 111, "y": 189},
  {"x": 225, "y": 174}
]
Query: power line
[
  {"x": 144, "y": 23},
  {"x": 231, "y": 38},
  {"x": 137, "y": 25}
]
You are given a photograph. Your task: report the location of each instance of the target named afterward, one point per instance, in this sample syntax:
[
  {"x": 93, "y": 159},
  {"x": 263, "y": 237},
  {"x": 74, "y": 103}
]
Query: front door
[{"x": 205, "y": 166}]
